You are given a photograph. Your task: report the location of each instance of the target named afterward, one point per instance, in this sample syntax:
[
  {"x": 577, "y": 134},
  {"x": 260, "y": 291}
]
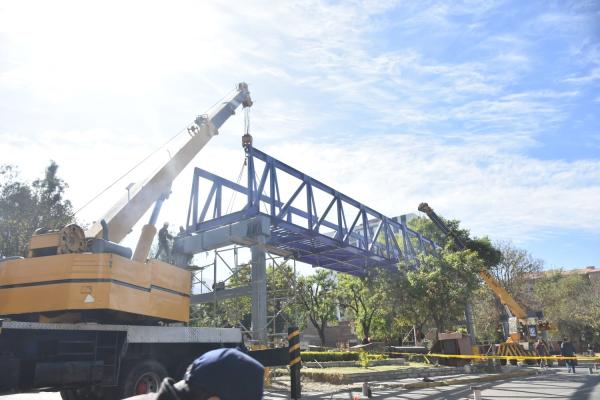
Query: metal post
[
  {"x": 295, "y": 362},
  {"x": 476, "y": 392},
  {"x": 259, "y": 290},
  {"x": 366, "y": 390},
  {"x": 414, "y": 329}
]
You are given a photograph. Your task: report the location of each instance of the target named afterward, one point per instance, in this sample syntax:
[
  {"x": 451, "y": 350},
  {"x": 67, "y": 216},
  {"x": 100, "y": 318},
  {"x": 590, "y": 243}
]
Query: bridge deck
[{"x": 312, "y": 223}]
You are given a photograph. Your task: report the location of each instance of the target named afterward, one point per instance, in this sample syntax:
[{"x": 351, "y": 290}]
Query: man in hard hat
[
  {"x": 222, "y": 374},
  {"x": 163, "y": 241}
]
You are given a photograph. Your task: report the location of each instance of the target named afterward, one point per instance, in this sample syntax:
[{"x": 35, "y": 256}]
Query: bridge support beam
[
  {"x": 259, "y": 290},
  {"x": 220, "y": 295}
]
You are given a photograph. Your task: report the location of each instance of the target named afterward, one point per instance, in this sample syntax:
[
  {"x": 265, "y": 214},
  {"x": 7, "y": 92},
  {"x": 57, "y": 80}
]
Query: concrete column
[{"x": 259, "y": 290}]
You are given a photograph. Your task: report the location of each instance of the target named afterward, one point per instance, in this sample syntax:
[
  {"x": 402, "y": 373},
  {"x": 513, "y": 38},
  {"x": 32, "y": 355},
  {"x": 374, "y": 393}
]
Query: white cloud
[
  {"x": 98, "y": 86},
  {"x": 481, "y": 182},
  {"x": 593, "y": 75}
]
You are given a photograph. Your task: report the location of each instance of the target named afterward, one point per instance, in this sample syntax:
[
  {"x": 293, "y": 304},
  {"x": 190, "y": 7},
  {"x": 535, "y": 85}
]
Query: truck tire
[
  {"x": 69, "y": 394},
  {"x": 142, "y": 377}
]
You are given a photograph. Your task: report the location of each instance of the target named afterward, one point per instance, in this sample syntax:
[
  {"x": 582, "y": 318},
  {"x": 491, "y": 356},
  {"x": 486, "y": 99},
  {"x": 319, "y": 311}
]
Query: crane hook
[{"x": 247, "y": 137}]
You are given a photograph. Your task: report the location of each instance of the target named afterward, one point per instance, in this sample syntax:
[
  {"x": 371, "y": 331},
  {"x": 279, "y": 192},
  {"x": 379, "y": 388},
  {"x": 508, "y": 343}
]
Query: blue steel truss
[{"x": 343, "y": 234}]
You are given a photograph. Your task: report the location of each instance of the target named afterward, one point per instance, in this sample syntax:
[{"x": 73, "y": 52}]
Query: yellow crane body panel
[{"x": 94, "y": 281}]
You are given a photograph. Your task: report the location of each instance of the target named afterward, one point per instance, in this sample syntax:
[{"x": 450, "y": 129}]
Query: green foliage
[
  {"x": 488, "y": 253},
  {"x": 316, "y": 295},
  {"x": 363, "y": 359},
  {"x": 571, "y": 302},
  {"x": 377, "y": 357},
  {"x": 364, "y": 300},
  {"x": 487, "y": 316},
  {"x": 237, "y": 311},
  {"x": 26, "y": 207},
  {"x": 324, "y": 356},
  {"x": 441, "y": 285}
]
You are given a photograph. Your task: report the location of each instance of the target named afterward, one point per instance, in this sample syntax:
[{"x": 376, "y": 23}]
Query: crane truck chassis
[
  {"x": 82, "y": 313},
  {"x": 98, "y": 361}
]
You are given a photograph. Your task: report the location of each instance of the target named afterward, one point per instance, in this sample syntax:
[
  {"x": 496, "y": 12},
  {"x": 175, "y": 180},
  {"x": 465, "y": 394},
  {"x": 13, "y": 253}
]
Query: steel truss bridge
[{"x": 291, "y": 214}]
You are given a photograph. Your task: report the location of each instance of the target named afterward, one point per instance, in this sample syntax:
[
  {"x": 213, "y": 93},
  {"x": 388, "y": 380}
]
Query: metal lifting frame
[
  {"x": 227, "y": 258},
  {"x": 345, "y": 235}
]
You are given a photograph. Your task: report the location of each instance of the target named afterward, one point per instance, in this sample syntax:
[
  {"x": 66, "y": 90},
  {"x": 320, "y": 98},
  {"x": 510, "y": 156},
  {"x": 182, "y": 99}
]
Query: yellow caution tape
[
  {"x": 293, "y": 334},
  {"x": 497, "y": 357}
]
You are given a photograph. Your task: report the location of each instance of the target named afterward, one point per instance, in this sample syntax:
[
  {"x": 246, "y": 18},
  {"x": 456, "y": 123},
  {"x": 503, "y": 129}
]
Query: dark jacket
[
  {"x": 567, "y": 349},
  {"x": 541, "y": 349},
  {"x": 164, "y": 235}
]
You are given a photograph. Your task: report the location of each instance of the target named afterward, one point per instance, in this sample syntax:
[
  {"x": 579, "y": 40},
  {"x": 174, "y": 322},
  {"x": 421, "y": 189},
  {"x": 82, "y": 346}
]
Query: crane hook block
[{"x": 246, "y": 141}]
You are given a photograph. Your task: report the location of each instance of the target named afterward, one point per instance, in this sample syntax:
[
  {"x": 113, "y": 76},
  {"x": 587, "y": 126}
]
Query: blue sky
[{"x": 488, "y": 110}]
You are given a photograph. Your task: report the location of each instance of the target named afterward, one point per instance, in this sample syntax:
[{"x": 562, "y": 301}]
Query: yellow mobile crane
[
  {"x": 517, "y": 314},
  {"x": 88, "y": 317},
  {"x": 72, "y": 275}
]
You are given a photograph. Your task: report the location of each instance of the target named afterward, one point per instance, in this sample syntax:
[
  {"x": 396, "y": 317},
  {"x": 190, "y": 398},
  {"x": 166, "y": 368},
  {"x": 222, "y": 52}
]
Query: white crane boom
[{"x": 121, "y": 218}]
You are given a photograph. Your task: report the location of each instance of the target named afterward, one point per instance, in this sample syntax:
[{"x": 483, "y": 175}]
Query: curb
[
  {"x": 393, "y": 375},
  {"x": 463, "y": 381}
]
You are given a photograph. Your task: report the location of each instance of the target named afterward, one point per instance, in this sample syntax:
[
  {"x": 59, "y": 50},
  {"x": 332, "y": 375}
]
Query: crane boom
[
  {"x": 127, "y": 212},
  {"x": 505, "y": 298}
]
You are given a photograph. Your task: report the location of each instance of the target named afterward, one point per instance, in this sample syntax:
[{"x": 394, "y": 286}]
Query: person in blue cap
[{"x": 222, "y": 374}]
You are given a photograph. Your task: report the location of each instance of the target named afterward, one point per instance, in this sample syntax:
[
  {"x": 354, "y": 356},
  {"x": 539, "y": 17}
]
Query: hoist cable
[
  {"x": 234, "y": 195},
  {"x": 247, "y": 120},
  {"x": 130, "y": 170},
  {"x": 145, "y": 159}
]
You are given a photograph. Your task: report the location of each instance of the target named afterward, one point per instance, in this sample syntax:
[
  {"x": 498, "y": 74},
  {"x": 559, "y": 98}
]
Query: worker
[
  {"x": 163, "y": 241},
  {"x": 542, "y": 350},
  {"x": 567, "y": 350},
  {"x": 222, "y": 374},
  {"x": 180, "y": 258}
]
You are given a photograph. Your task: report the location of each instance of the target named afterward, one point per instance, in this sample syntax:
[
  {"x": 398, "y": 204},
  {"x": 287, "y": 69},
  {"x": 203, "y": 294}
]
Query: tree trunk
[
  {"x": 321, "y": 331},
  {"x": 439, "y": 324},
  {"x": 366, "y": 328}
]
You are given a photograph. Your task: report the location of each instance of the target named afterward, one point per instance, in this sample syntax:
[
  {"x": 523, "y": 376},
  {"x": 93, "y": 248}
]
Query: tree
[
  {"x": 488, "y": 255},
  {"x": 394, "y": 311},
  {"x": 282, "y": 305},
  {"x": 571, "y": 302},
  {"x": 364, "y": 299},
  {"x": 441, "y": 285},
  {"x": 515, "y": 267},
  {"x": 316, "y": 293},
  {"x": 427, "y": 228},
  {"x": 285, "y": 308},
  {"x": 26, "y": 207},
  {"x": 487, "y": 315}
]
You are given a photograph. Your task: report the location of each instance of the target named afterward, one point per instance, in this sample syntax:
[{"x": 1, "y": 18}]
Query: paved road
[
  {"x": 555, "y": 386},
  {"x": 580, "y": 386}
]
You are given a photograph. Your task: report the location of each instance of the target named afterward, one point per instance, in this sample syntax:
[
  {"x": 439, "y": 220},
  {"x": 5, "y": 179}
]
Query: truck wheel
[
  {"x": 68, "y": 394},
  {"x": 143, "y": 377}
]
